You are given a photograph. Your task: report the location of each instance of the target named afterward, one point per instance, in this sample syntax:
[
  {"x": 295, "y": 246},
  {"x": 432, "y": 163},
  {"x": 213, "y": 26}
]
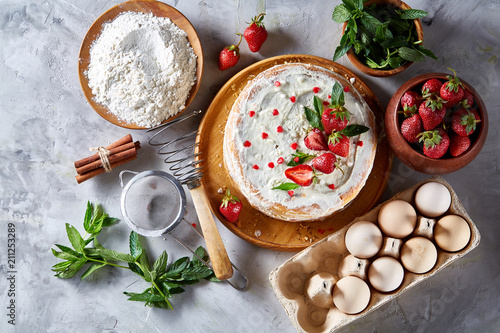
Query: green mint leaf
[
  {"x": 395, "y": 42},
  {"x": 350, "y": 5},
  {"x": 160, "y": 265},
  {"x": 200, "y": 252},
  {"x": 286, "y": 186},
  {"x": 145, "y": 266},
  {"x": 96, "y": 225},
  {"x": 412, "y": 14},
  {"x": 313, "y": 118},
  {"x": 318, "y": 106},
  {"x": 372, "y": 64},
  {"x": 426, "y": 52},
  {"x": 410, "y": 54},
  {"x": 68, "y": 250},
  {"x": 72, "y": 269},
  {"x": 353, "y": 130},
  {"x": 88, "y": 216},
  {"x": 383, "y": 33},
  {"x": 337, "y": 95},
  {"x": 341, "y": 14},
  {"x": 370, "y": 23},
  {"x": 62, "y": 266},
  {"x": 64, "y": 255},
  {"x": 116, "y": 256},
  {"x": 396, "y": 62},
  {"x": 302, "y": 158},
  {"x": 358, "y": 4},
  {"x": 75, "y": 238},
  {"x": 196, "y": 273},
  {"x": 94, "y": 267},
  {"x": 144, "y": 297},
  {"x": 178, "y": 266},
  {"x": 108, "y": 221},
  {"x": 136, "y": 269},
  {"x": 177, "y": 290},
  {"x": 340, "y": 51},
  {"x": 135, "y": 245}
]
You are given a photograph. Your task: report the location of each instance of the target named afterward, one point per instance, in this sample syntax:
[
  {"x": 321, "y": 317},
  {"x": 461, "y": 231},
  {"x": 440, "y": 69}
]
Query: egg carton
[{"x": 330, "y": 255}]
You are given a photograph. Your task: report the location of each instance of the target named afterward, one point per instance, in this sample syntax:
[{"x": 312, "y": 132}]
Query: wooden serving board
[
  {"x": 253, "y": 226},
  {"x": 156, "y": 8}
]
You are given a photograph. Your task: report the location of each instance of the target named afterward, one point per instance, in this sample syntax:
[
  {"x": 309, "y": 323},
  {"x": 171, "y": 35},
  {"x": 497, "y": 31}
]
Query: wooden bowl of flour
[{"x": 158, "y": 9}]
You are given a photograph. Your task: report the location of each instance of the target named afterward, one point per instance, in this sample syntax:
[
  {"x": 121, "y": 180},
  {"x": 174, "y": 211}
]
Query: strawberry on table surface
[
  {"x": 325, "y": 163},
  {"x": 464, "y": 122},
  {"x": 452, "y": 91},
  {"x": 302, "y": 174},
  {"x": 315, "y": 140},
  {"x": 230, "y": 207},
  {"x": 432, "y": 113},
  {"x": 256, "y": 33},
  {"x": 436, "y": 142},
  {"x": 459, "y": 144},
  {"x": 411, "y": 128},
  {"x": 229, "y": 56}
]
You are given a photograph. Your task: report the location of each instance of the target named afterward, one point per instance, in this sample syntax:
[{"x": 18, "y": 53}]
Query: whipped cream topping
[{"x": 272, "y": 125}]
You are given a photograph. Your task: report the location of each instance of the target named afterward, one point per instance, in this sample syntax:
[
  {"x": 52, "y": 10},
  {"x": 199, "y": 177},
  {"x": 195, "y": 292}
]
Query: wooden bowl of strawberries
[{"x": 436, "y": 123}]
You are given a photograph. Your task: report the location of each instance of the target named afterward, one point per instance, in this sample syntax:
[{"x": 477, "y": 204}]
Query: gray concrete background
[{"x": 47, "y": 124}]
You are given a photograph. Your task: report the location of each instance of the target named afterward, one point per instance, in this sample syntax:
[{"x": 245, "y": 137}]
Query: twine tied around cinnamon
[{"x": 104, "y": 156}]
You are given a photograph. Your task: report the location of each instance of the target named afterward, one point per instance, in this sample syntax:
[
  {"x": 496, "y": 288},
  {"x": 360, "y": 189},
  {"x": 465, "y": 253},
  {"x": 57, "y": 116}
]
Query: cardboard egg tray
[{"x": 289, "y": 279}]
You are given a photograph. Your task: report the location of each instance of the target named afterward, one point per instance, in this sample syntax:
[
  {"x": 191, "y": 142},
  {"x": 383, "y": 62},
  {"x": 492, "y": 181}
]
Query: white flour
[{"x": 141, "y": 68}]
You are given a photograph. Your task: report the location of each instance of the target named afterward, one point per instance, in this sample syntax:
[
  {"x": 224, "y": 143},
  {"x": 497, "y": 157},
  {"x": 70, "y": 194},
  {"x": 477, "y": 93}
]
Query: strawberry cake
[{"x": 299, "y": 142}]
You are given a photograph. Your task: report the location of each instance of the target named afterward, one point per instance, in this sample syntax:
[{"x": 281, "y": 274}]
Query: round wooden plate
[
  {"x": 157, "y": 9},
  {"x": 253, "y": 226}
]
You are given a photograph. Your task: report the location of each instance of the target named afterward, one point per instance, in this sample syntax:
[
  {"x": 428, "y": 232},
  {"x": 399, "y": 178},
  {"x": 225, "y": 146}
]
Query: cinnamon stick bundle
[{"x": 118, "y": 153}]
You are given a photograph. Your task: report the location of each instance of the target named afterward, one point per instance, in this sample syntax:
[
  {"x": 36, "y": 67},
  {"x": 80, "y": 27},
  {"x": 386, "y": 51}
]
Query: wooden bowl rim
[
  {"x": 108, "y": 15},
  {"x": 405, "y": 152},
  {"x": 383, "y": 72}
]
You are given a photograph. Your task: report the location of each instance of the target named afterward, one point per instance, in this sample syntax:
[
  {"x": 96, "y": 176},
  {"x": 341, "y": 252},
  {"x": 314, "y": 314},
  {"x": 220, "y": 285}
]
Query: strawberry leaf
[{"x": 286, "y": 186}]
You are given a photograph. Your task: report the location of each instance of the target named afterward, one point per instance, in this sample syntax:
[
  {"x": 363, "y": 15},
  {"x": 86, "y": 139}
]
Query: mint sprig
[
  {"x": 300, "y": 157},
  {"x": 165, "y": 280},
  {"x": 381, "y": 36}
]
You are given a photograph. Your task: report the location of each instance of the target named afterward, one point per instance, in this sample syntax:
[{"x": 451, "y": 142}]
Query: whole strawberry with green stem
[
  {"x": 432, "y": 113},
  {"x": 410, "y": 102},
  {"x": 229, "y": 56},
  {"x": 256, "y": 33},
  {"x": 230, "y": 207},
  {"x": 452, "y": 91},
  {"x": 436, "y": 142},
  {"x": 338, "y": 142},
  {"x": 335, "y": 117},
  {"x": 464, "y": 121}
]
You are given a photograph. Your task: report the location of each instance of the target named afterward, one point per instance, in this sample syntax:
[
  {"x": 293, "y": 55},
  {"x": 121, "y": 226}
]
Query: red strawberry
[
  {"x": 256, "y": 33},
  {"x": 431, "y": 86},
  {"x": 230, "y": 207},
  {"x": 451, "y": 92},
  {"x": 325, "y": 163},
  {"x": 338, "y": 144},
  {"x": 335, "y": 119},
  {"x": 432, "y": 113},
  {"x": 459, "y": 144},
  {"x": 464, "y": 121},
  {"x": 301, "y": 174},
  {"x": 229, "y": 56},
  {"x": 436, "y": 142},
  {"x": 468, "y": 99},
  {"x": 315, "y": 140},
  {"x": 411, "y": 127},
  {"x": 410, "y": 102}
]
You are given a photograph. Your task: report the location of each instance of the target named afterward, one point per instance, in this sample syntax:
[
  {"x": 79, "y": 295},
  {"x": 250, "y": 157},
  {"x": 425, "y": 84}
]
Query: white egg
[
  {"x": 363, "y": 239},
  {"x": 351, "y": 295},
  {"x": 452, "y": 233},
  {"x": 432, "y": 199},
  {"x": 397, "y": 219},
  {"x": 385, "y": 274},
  {"x": 418, "y": 255}
]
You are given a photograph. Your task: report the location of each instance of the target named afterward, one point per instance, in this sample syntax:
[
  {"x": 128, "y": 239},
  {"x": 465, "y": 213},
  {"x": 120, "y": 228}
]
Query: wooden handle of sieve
[{"x": 216, "y": 250}]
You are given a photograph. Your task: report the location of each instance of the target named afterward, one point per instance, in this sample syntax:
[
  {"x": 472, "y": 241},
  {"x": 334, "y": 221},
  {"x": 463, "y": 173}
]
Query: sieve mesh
[{"x": 152, "y": 203}]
